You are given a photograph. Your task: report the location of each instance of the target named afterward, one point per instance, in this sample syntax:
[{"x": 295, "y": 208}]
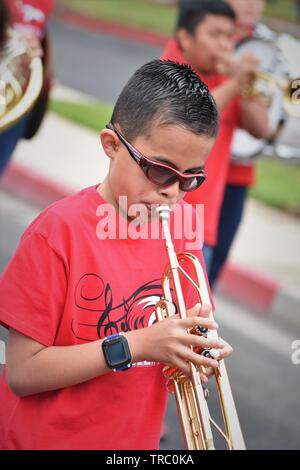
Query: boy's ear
[
  {"x": 184, "y": 38},
  {"x": 110, "y": 142}
]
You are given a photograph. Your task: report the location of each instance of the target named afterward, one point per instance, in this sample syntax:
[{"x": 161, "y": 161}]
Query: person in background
[
  {"x": 240, "y": 176},
  {"x": 204, "y": 40},
  {"x": 29, "y": 18}
]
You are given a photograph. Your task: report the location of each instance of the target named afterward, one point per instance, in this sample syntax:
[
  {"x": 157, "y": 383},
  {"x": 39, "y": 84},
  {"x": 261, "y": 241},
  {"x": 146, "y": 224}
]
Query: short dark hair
[
  {"x": 4, "y": 22},
  {"x": 193, "y": 12},
  {"x": 166, "y": 93}
]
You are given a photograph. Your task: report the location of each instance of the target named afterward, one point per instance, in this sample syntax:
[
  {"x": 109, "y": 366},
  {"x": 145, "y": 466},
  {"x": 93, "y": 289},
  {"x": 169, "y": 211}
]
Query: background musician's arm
[
  {"x": 241, "y": 72},
  {"x": 225, "y": 93},
  {"x": 254, "y": 119}
]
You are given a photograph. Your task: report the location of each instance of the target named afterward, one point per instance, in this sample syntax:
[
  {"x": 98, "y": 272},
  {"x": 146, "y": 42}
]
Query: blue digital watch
[{"x": 116, "y": 352}]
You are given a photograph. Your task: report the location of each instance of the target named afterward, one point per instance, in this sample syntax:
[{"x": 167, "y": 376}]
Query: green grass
[
  {"x": 93, "y": 115},
  {"x": 139, "y": 13},
  {"x": 283, "y": 9},
  {"x": 278, "y": 184},
  {"x": 153, "y": 16}
]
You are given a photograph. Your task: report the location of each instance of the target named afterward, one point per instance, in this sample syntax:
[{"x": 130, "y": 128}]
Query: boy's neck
[
  {"x": 189, "y": 60},
  {"x": 202, "y": 73},
  {"x": 104, "y": 191}
]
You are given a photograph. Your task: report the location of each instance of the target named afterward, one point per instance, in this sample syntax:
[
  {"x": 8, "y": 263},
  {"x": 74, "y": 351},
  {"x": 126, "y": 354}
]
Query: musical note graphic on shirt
[{"x": 100, "y": 313}]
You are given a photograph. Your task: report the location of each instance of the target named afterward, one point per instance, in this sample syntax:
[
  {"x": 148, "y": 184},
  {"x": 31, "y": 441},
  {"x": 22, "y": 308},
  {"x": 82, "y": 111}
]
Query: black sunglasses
[{"x": 160, "y": 173}]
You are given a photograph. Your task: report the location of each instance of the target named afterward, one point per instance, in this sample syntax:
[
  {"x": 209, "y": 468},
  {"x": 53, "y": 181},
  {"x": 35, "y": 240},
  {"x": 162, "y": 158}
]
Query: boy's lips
[
  {"x": 148, "y": 204},
  {"x": 152, "y": 208},
  {"x": 155, "y": 205}
]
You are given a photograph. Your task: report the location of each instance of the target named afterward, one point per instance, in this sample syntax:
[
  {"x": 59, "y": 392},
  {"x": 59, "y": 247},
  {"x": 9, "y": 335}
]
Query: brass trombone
[{"x": 191, "y": 399}]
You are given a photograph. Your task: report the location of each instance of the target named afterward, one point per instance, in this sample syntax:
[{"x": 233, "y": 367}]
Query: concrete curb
[
  {"x": 151, "y": 38},
  {"x": 262, "y": 295},
  {"x": 31, "y": 186},
  {"x": 250, "y": 288},
  {"x": 115, "y": 29}
]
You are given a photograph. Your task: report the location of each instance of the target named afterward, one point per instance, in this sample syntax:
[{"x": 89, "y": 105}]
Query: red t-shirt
[
  {"x": 211, "y": 192},
  {"x": 66, "y": 286},
  {"x": 241, "y": 175},
  {"x": 30, "y": 14}
]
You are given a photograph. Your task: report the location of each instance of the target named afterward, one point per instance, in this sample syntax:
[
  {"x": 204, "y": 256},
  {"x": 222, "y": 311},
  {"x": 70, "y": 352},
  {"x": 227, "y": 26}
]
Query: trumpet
[
  {"x": 191, "y": 398},
  {"x": 265, "y": 84}
]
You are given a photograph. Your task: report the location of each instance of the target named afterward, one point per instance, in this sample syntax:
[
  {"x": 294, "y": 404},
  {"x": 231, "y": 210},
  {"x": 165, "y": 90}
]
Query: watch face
[{"x": 116, "y": 352}]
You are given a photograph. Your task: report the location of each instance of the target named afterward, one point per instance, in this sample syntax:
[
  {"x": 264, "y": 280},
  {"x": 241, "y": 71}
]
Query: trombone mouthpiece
[{"x": 163, "y": 212}]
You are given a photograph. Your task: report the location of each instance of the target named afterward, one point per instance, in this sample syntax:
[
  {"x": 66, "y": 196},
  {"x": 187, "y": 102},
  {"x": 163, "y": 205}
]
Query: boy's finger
[
  {"x": 194, "y": 311},
  {"x": 205, "y": 310},
  {"x": 199, "y": 310},
  {"x": 199, "y": 321},
  {"x": 199, "y": 360}
]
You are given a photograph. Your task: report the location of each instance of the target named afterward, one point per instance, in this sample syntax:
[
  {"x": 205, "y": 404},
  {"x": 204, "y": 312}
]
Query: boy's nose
[
  {"x": 171, "y": 193},
  {"x": 226, "y": 45}
]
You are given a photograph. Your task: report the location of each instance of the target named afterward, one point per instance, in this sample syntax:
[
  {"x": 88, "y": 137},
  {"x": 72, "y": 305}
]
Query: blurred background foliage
[{"x": 160, "y": 15}]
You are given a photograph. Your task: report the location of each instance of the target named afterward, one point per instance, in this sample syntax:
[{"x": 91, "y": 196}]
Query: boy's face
[
  {"x": 212, "y": 38},
  {"x": 248, "y": 11},
  {"x": 173, "y": 145}
]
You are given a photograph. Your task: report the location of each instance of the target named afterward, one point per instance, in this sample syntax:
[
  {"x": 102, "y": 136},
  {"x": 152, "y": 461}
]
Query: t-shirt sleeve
[{"x": 33, "y": 290}]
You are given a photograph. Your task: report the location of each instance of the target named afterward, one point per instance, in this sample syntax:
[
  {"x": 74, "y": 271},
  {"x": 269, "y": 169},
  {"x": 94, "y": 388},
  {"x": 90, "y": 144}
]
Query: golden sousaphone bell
[{"x": 21, "y": 80}]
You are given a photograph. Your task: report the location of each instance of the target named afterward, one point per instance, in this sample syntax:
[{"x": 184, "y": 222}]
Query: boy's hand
[
  {"x": 169, "y": 341},
  {"x": 226, "y": 351},
  {"x": 241, "y": 70}
]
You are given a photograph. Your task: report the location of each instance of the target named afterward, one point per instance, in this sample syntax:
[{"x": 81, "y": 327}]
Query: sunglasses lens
[
  {"x": 161, "y": 176},
  {"x": 190, "y": 184}
]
